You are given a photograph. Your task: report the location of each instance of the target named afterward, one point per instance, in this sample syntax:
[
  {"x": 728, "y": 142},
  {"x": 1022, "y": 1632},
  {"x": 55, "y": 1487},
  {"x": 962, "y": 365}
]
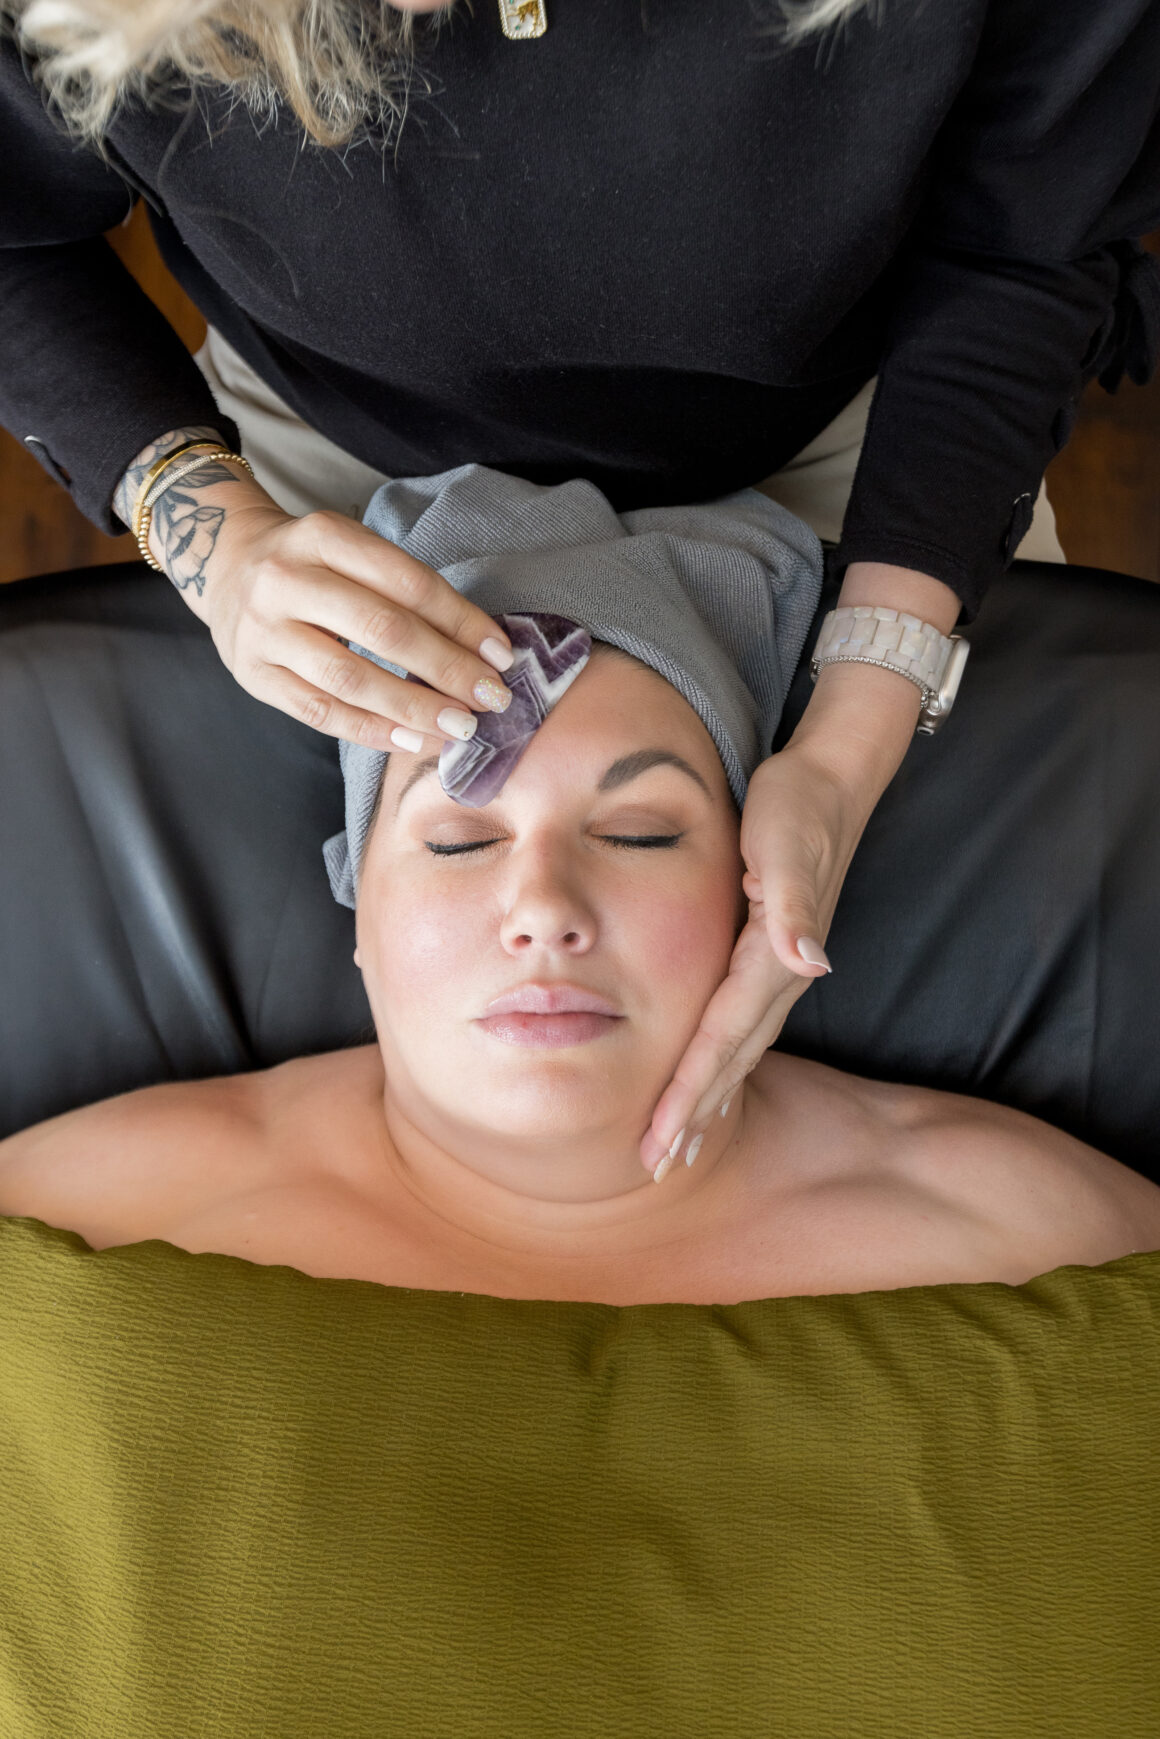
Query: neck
[{"x": 581, "y": 1195}]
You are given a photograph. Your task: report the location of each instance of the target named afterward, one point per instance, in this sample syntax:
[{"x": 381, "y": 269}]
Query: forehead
[{"x": 616, "y": 707}]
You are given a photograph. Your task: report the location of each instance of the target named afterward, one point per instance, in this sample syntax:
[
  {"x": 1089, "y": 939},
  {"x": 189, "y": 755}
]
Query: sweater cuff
[{"x": 90, "y": 371}]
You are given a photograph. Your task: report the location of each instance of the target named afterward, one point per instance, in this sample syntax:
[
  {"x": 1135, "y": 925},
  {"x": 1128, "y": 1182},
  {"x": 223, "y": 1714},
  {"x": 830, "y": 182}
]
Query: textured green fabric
[{"x": 239, "y": 1501}]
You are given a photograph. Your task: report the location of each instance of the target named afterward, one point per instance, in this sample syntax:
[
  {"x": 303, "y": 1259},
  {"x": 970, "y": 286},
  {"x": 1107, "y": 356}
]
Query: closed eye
[
  {"x": 643, "y": 841},
  {"x": 458, "y": 850},
  {"x": 631, "y": 841}
]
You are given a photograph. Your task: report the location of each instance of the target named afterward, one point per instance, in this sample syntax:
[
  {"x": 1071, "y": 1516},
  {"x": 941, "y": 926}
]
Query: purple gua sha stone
[{"x": 550, "y": 652}]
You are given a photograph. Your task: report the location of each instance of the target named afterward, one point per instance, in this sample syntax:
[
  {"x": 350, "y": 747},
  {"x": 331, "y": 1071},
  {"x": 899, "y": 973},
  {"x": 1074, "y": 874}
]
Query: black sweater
[{"x": 654, "y": 248}]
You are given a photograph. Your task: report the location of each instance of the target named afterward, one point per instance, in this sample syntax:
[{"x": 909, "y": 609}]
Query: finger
[
  {"x": 349, "y": 548},
  {"x": 716, "y": 1099},
  {"x": 333, "y": 670},
  {"x": 687, "y": 1107},
  {"x": 317, "y": 598},
  {"x": 741, "y": 1021},
  {"x": 291, "y": 694},
  {"x": 789, "y": 905}
]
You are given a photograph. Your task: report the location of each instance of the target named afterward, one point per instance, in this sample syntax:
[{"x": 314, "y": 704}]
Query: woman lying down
[{"x": 542, "y": 915}]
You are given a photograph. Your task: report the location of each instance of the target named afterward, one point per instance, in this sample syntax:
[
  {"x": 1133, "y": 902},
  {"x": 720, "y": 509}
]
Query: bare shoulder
[
  {"x": 152, "y": 1160},
  {"x": 108, "y": 1169},
  {"x": 952, "y": 1184},
  {"x": 1022, "y": 1184}
]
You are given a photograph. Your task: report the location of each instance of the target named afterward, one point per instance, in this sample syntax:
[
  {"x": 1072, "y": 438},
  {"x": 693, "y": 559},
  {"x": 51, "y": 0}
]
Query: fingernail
[
  {"x": 725, "y": 1107},
  {"x": 673, "y": 1150},
  {"x": 491, "y": 695},
  {"x": 499, "y": 656},
  {"x": 457, "y": 724},
  {"x": 664, "y": 1168},
  {"x": 813, "y": 953},
  {"x": 694, "y": 1149},
  {"x": 405, "y": 739}
]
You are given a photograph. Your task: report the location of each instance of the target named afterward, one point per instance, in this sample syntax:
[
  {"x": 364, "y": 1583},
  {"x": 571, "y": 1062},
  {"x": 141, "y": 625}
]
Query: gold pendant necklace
[{"x": 523, "y": 19}]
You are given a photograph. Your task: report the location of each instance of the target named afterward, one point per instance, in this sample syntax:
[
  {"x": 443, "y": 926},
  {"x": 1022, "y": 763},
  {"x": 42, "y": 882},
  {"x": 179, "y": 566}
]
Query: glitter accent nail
[
  {"x": 457, "y": 724},
  {"x": 694, "y": 1149},
  {"x": 491, "y": 695}
]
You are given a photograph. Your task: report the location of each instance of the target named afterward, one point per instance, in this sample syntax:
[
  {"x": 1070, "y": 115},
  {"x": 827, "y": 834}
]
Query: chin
[
  {"x": 527, "y": 1093},
  {"x": 568, "y": 1104},
  {"x": 543, "y": 1101}
]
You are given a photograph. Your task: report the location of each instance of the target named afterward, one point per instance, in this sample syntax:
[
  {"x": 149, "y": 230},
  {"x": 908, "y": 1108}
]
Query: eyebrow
[
  {"x": 632, "y": 766},
  {"x": 620, "y": 773},
  {"x": 420, "y": 771}
]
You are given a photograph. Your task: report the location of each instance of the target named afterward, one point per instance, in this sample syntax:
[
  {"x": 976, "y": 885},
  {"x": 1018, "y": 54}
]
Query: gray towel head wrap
[{"x": 716, "y": 598}]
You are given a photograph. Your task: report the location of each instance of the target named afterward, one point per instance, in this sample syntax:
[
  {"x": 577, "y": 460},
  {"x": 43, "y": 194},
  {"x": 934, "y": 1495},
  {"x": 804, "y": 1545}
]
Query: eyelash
[{"x": 637, "y": 841}]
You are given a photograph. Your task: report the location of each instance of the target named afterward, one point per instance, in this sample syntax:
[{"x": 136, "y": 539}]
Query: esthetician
[{"x": 670, "y": 248}]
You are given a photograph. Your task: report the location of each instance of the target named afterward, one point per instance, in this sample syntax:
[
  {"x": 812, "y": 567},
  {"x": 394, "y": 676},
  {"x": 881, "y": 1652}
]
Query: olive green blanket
[{"x": 238, "y": 1501}]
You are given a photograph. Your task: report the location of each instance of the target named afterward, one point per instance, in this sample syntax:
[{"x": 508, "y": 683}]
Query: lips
[
  {"x": 549, "y": 1016},
  {"x": 550, "y": 999}
]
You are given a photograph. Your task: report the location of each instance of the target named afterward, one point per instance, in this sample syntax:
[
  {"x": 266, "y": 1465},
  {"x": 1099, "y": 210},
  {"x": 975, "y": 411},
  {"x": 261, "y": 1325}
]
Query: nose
[{"x": 546, "y": 912}]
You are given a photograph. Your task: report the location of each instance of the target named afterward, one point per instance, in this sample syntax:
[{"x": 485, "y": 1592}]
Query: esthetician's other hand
[
  {"x": 806, "y": 810},
  {"x": 798, "y": 834},
  {"x": 280, "y": 595}
]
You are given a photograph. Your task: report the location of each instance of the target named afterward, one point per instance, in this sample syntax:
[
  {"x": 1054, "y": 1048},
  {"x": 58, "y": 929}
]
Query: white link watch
[{"x": 872, "y": 634}]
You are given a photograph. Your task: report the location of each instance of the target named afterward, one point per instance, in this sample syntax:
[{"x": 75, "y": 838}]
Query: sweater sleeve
[
  {"x": 90, "y": 370},
  {"x": 1017, "y": 286}
]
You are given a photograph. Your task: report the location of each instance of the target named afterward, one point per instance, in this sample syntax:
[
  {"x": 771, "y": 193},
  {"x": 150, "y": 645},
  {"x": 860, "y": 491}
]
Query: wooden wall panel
[{"x": 1105, "y": 485}]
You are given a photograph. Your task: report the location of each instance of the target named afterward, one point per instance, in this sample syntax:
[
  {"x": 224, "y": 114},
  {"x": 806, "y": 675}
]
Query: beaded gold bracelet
[{"x": 158, "y": 481}]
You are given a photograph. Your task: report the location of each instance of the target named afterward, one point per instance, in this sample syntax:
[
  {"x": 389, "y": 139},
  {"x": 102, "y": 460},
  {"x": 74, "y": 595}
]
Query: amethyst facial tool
[{"x": 550, "y": 652}]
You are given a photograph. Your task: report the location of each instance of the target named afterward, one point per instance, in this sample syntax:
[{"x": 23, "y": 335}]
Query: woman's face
[{"x": 536, "y": 967}]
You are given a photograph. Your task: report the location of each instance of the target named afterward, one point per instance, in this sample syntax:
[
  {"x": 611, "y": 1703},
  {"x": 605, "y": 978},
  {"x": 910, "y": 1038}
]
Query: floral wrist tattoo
[{"x": 186, "y": 529}]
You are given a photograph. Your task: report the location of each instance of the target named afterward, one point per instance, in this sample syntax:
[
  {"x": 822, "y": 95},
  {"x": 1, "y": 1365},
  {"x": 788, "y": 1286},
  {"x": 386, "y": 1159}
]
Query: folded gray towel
[{"x": 716, "y": 598}]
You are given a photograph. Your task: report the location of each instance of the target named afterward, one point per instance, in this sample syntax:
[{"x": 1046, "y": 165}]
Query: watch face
[
  {"x": 953, "y": 674},
  {"x": 941, "y": 705}
]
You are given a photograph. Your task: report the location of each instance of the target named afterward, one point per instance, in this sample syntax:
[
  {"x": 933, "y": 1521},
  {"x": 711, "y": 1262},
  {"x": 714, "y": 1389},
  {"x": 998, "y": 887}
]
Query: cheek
[
  {"x": 417, "y": 944},
  {"x": 682, "y": 940}
]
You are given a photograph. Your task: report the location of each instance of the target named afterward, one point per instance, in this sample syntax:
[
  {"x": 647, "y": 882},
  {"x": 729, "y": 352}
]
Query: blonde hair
[{"x": 342, "y": 66}]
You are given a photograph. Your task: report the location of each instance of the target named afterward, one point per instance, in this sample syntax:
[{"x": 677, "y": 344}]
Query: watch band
[{"x": 873, "y": 634}]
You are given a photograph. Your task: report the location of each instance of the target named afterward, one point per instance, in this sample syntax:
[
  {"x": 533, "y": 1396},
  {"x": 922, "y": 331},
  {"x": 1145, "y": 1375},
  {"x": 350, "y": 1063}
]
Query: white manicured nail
[
  {"x": 664, "y": 1168},
  {"x": 675, "y": 1148},
  {"x": 694, "y": 1149},
  {"x": 813, "y": 953},
  {"x": 499, "y": 656},
  {"x": 405, "y": 739},
  {"x": 457, "y": 724},
  {"x": 725, "y": 1107}
]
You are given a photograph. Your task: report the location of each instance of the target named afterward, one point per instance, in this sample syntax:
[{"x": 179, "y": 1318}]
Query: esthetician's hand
[
  {"x": 798, "y": 834},
  {"x": 280, "y": 595},
  {"x": 806, "y": 810}
]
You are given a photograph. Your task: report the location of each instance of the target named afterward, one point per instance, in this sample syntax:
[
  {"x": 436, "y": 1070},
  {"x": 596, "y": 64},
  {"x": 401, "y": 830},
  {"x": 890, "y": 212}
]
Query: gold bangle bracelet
[
  {"x": 150, "y": 494},
  {"x": 150, "y": 478},
  {"x": 159, "y": 465}
]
